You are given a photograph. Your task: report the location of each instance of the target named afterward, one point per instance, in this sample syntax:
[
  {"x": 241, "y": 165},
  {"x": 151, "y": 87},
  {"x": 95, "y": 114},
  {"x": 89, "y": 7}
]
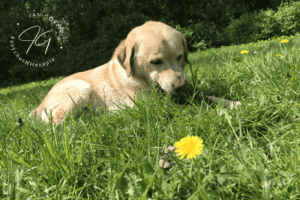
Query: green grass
[{"x": 249, "y": 153}]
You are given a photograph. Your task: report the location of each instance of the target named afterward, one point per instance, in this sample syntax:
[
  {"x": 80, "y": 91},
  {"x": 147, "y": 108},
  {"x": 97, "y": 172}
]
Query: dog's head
[{"x": 156, "y": 53}]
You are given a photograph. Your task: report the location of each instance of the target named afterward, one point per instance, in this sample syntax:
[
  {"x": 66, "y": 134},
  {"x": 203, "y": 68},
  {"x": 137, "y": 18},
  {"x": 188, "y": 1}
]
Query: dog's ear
[
  {"x": 124, "y": 54},
  {"x": 120, "y": 52},
  {"x": 130, "y": 49},
  {"x": 186, "y": 51}
]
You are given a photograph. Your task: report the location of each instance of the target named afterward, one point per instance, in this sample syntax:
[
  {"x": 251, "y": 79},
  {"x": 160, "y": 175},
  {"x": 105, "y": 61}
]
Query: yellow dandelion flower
[
  {"x": 244, "y": 52},
  {"x": 284, "y": 41},
  {"x": 190, "y": 146}
]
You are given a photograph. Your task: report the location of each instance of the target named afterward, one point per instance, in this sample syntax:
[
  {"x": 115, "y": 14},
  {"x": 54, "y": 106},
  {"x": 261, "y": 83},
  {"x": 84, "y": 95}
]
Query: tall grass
[{"x": 249, "y": 153}]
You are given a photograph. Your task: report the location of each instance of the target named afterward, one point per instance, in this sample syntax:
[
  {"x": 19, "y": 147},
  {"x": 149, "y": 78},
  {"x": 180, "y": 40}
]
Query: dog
[{"x": 153, "y": 54}]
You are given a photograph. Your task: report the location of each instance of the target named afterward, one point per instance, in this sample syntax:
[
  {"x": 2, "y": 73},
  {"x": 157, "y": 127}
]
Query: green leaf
[
  {"x": 238, "y": 59},
  {"x": 18, "y": 159}
]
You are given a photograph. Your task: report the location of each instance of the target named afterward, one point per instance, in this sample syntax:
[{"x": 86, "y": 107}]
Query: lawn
[{"x": 251, "y": 152}]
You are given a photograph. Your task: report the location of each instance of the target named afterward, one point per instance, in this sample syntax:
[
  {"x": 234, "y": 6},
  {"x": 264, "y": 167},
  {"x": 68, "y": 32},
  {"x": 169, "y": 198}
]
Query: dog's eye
[
  {"x": 179, "y": 57},
  {"x": 156, "y": 62}
]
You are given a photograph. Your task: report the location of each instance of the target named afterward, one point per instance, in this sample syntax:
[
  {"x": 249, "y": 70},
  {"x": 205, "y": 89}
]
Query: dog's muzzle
[{"x": 175, "y": 92}]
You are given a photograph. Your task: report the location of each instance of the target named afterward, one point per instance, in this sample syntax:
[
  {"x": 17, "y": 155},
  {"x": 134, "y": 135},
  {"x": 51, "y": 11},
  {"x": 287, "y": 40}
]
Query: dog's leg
[{"x": 224, "y": 102}]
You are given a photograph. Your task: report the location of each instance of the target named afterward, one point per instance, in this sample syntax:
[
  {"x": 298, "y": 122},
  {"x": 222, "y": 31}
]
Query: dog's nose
[{"x": 182, "y": 88}]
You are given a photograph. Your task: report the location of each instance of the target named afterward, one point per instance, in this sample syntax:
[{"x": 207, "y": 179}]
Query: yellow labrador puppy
[{"x": 152, "y": 54}]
